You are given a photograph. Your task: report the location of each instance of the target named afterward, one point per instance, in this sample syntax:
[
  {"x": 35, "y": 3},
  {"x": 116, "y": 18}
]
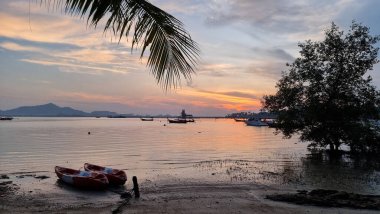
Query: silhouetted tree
[
  {"x": 326, "y": 96},
  {"x": 172, "y": 51}
]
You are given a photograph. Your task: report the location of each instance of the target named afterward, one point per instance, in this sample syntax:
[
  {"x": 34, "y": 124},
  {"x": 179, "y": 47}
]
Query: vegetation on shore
[{"x": 326, "y": 96}]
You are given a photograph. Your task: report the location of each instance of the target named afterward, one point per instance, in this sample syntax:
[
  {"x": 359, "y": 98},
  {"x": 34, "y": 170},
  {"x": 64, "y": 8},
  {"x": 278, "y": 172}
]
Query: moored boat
[
  {"x": 147, "y": 119},
  {"x": 188, "y": 117},
  {"x": 255, "y": 122},
  {"x": 240, "y": 119},
  {"x": 6, "y": 118},
  {"x": 177, "y": 120},
  {"x": 82, "y": 179},
  {"x": 114, "y": 176}
]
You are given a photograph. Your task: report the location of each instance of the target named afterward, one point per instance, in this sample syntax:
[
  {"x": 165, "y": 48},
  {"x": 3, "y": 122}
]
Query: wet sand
[{"x": 30, "y": 194}]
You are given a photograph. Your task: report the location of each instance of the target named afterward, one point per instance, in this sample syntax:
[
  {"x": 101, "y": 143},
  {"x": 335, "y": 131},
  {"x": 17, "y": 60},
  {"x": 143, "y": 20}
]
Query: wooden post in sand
[{"x": 136, "y": 187}]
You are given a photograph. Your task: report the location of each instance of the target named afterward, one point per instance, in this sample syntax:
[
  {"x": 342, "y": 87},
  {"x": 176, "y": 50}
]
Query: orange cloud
[
  {"x": 16, "y": 47},
  {"x": 96, "y": 69},
  {"x": 228, "y": 100}
]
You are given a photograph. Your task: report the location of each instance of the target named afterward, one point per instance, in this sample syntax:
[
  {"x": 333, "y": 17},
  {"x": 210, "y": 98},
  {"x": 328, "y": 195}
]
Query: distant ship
[
  {"x": 177, "y": 120},
  {"x": 187, "y": 117},
  {"x": 255, "y": 122},
  {"x": 6, "y": 118},
  {"x": 147, "y": 119},
  {"x": 184, "y": 118},
  {"x": 117, "y": 116}
]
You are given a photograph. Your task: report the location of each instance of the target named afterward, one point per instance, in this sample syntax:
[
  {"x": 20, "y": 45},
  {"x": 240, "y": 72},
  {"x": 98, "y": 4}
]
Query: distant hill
[
  {"x": 52, "y": 110},
  {"x": 47, "y": 110},
  {"x": 103, "y": 113}
]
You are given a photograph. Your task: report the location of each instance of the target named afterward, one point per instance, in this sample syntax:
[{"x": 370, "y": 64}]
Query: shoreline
[{"x": 159, "y": 196}]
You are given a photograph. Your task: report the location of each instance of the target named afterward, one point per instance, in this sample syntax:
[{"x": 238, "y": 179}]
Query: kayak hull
[
  {"x": 114, "y": 176},
  {"x": 82, "y": 179}
]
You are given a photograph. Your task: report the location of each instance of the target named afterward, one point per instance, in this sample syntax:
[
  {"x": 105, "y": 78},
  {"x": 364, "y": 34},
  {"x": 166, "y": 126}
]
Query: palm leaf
[{"x": 173, "y": 54}]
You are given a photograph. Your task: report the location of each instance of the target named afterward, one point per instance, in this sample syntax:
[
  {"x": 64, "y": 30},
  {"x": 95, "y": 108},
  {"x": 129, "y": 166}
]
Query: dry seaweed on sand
[{"x": 330, "y": 198}]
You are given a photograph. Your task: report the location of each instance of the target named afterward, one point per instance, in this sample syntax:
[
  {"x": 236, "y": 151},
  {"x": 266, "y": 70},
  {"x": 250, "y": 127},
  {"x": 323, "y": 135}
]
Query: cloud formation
[
  {"x": 245, "y": 45},
  {"x": 290, "y": 16},
  {"x": 52, "y": 39}
]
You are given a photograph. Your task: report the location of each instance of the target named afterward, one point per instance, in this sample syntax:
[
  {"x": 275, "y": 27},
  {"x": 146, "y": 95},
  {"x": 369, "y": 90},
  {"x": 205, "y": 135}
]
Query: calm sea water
[{"x": 209, "y": 149}]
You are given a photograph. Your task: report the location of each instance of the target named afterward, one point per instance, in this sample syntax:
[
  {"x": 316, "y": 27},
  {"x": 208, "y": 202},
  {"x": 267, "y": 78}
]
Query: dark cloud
[
  {"x": 275, "y": 53},
  {"x": 274, "y": 15},
  {"x": 214, "y": 73},
  {"x": 270, "y": 70},
  {"x": 44, "y": 45},
  {"x": 240, "y": 94},
  {"x": 231, "y": 93},
  {"x": 218, "y": 70}
]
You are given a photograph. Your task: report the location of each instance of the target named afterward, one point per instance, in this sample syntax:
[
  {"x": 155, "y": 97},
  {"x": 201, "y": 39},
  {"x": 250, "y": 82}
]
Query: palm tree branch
[{"x": 173, "y": 53}]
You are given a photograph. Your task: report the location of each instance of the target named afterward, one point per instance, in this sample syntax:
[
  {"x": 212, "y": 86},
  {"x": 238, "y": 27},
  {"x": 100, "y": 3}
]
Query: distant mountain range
[{"x": 52, "y": 110}]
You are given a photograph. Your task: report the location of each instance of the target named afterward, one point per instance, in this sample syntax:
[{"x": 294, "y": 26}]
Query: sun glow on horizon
[{"x": 47, "y": 56}]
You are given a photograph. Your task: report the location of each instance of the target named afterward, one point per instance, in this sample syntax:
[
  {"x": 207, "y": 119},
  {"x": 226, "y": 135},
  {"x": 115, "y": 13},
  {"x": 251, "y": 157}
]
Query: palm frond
[{"x": 173, "y": 53}]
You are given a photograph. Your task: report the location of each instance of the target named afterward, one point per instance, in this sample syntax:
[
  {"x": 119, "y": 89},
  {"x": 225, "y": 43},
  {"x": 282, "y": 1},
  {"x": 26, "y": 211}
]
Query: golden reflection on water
[
  {"x": 44, "y": 142},
  {"x": 216, "y": 150}
]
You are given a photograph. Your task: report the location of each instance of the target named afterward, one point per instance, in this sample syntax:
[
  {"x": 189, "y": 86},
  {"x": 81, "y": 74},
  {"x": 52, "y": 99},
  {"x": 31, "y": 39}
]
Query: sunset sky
[{"x": 46, "y": 56}]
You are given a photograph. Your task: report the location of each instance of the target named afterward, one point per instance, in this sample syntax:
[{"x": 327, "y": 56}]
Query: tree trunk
[{"x": 336, "y": 146}]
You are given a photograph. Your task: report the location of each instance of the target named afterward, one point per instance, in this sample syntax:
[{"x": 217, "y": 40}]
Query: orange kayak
[
  {"x": 114, "y": 176},
  {"x": 82, "y": 179}
]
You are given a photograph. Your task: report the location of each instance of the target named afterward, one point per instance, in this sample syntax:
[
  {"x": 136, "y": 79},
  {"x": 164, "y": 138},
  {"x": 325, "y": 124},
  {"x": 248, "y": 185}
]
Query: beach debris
[
  {"x": 89, "y": 133},
  {"x": 7, "y": 188},
  {"x": 126, "y": 195},
  {"x": 25, "y": 175},
  {"x": 41, "y": 177},
  {"x": 302, "y": 191},
  {"x": 4, "y": 177},
  {"x": 119, "y": 206},
  {"x": 33, "y": 175},
  {"x": 5, "y": 183},
  {"x": 135, "y": 187},
  {"x": 330, "y": 198}
]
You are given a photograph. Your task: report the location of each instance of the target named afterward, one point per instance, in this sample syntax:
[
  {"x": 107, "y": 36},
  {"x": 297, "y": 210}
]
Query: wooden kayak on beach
[
  {"x": 82, "y": 179},
  {"x": 114, "y": 176}
]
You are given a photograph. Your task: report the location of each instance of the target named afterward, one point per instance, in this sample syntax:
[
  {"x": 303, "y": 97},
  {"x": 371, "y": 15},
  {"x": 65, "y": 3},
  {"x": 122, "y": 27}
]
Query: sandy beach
[{"x": 28, "y": 194}]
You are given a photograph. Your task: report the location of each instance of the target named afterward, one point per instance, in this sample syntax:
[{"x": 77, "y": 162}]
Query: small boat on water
[
  {"x": 184, "y": 118},
  {"x": 6, "y": 118},
  {"x": 188, "y": 117},
  {"x": 147, "y": 119},
  {"x": 240, "y": 119},
  {"x": 272, "y": 123},
  {"x": 255, "y": 122},
  {"x": 114, "y": 176},
  {"x": 177, "y": 120},
  {"x": 82, "y": 179}
]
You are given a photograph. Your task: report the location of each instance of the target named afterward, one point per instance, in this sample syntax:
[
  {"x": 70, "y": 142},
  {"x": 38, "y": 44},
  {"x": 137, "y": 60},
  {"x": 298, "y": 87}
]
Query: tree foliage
[
  {"x": 173, "y": 53},
  {"x": 326, "y": 96}
]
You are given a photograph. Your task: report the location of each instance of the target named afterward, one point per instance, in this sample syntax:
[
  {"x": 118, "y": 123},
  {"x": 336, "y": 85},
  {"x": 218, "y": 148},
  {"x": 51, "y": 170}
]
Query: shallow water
[{"x": 214, "y": 150}]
